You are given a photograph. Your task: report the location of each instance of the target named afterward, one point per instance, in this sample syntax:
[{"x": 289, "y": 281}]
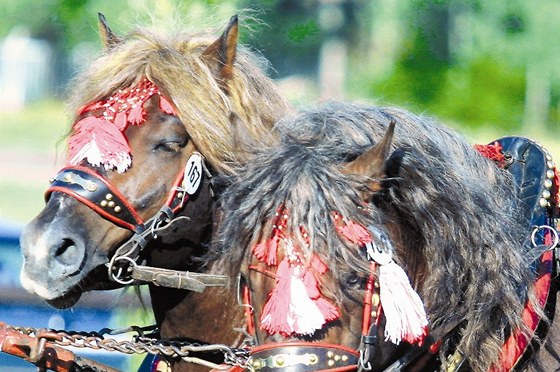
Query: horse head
[
  {"x": 377, "y": 244},
  {"x": 152, "y": 121}
]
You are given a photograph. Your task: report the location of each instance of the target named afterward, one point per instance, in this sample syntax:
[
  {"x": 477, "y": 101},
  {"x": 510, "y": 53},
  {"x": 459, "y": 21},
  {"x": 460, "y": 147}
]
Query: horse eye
[{"x": 171, "y": 146}]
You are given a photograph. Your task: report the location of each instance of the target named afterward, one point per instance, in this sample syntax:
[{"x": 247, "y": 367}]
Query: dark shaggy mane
[{"x": 452, "y": 212}]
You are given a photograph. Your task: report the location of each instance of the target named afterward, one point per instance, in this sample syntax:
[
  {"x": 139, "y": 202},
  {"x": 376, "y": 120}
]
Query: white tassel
[
  {"x": 403, "y": 309},
  {"x": 304, "y": 316}
]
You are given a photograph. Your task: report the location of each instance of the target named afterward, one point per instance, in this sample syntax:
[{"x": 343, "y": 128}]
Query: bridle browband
[{"x": 93, "y": 190}]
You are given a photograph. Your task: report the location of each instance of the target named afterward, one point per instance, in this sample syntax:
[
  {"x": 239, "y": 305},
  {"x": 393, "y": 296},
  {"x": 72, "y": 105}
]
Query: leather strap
[
  {"x": 94, "y": 191},
  {"x": 303, "y": 357}
]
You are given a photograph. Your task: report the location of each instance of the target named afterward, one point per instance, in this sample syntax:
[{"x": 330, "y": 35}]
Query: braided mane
[{"x": 452, "y": 214}]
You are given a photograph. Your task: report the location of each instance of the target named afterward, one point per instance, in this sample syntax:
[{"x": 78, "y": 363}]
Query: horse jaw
[{"x": 58, "y": 258}]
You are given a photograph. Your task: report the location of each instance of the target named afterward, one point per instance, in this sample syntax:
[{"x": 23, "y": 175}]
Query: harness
[{"x": 93, "y": 190}]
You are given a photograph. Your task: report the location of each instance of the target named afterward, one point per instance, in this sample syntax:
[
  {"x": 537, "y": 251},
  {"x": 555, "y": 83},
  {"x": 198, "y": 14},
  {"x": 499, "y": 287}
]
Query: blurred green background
[{"x": 486, "y": 68}]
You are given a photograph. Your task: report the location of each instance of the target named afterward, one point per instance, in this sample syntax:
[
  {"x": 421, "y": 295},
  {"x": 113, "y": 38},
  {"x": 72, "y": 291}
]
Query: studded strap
[{"x": 303, "y": 356}]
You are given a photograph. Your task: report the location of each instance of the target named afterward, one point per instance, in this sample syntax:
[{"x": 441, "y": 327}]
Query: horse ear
[
  {"x": 220, "y": 55},
  {"x": 108, "y": 38},
  {"x": 372, "y": 162}
]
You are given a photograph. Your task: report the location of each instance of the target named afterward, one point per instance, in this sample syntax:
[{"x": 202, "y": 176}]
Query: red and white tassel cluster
[
  {"x": 100, "y": 139},
  {"x": 296, "y": 305},
  {"x": 404, "y": 311}
]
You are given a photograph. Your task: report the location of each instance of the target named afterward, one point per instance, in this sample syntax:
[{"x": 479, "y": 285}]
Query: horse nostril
[{"x": 66, "y": 252}]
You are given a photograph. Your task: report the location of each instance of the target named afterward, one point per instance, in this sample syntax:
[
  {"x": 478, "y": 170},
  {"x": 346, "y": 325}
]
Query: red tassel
[
  {"x": 137, "y": 114},
  {"x": 295, "y": 305},
  {"x": 100, "y": 143},
  {"x": 266, "y": 252},
  {"x": 318, "y": 265},
  {"x": 354, "y": 232},
  {"x": 120, "y": 121},
  {"x": 166, "y": 106}
]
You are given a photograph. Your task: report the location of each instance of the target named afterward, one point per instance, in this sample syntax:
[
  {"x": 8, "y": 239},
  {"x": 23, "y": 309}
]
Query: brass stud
[
  {"x": 117, "y": 209},
  {"x": 111, "y": 204},
  {"x": 91, "y": 187},
  {"x": 375, "y": 299},
  {"x": 313, "y": 359},
  {"x": 330, "y": 362},
  {"x": 374, "y": 314},
  {"x": 103, "y": 203},
  {"x": 279, "y": 360},
  {"x": 337, "y": 358},
  {"x": 548, "y": 183},
  {"x": 109, "y": 196},
  {"x": 550, "y": 164},
  {"x": 179, "y": 195},
  {"x": 345, "y": 358},
  {"x": 550, "y": 174},
  {"x": 546, "y": 194},
  {"x": 543, "y": 203},
  {"x": 548, "y": 157},
  {"x": 256, "y": 364},
  {"x": 51, "y": 180},
  {"x": 68, "y": 177},
  {"x": 330, "y": 354}
]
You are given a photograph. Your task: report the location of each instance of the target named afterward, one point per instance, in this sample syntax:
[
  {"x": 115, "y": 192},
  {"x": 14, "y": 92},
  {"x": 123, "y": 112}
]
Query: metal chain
[{"x": 139, "y": 344}]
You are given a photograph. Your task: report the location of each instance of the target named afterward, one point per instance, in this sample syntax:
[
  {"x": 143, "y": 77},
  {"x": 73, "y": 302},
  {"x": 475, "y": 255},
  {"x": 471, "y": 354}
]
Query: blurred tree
[{"x": 471, "y": 61}]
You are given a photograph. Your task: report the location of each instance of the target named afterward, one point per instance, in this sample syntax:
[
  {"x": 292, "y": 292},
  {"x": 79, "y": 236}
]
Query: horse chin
[
  {"x": 94, "y": 281},
  {"x": 66, "y": 301}
]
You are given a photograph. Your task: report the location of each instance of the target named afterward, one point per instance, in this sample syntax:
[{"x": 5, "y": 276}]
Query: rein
[{"x": 97, "y": 193}]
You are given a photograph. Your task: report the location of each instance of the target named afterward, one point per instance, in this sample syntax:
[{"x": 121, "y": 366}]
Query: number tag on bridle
[{"x": 193, "y": 174}]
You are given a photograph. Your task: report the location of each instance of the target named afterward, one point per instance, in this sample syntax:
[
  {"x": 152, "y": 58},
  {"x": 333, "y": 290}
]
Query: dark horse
[
  {"x": 144, "y": 111},
  {"x": 312, "y": 223}
]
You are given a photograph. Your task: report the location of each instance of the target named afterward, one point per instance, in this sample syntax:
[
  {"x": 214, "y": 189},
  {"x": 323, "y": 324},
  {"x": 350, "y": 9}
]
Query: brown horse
[
  {"x": 323, "y": 223},
  {"x": 145, "y": 110}
]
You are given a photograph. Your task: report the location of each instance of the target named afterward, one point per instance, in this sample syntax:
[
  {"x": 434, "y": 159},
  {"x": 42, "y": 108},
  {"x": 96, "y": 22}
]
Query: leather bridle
[{"x": 97, "y": 193}]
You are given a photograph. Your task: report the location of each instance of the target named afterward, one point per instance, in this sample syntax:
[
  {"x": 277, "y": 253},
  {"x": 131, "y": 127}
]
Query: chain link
[{"x": 139, "y": 344}]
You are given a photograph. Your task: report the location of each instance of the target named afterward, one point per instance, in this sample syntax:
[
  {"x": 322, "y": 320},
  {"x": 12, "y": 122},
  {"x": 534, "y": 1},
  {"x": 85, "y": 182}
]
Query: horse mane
[
  {"x": 455, "y": 213},
  {"x": 173, "y": 62}
]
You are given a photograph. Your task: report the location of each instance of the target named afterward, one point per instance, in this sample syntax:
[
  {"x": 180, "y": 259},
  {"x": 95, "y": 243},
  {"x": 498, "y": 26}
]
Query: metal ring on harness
[
  {"x": 120, "y": 270},
  {"x": 545, "y": 227}
]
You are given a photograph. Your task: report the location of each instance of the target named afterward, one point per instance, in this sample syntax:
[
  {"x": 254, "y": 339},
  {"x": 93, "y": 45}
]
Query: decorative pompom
[
  {"x": 100, "y": 143},
  {"x": 290, "y": 308},
  {"x": 404, "y": 312}
]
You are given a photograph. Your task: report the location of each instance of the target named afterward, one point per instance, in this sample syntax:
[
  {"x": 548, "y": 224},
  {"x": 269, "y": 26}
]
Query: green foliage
[{"x": 301, "y": 32}]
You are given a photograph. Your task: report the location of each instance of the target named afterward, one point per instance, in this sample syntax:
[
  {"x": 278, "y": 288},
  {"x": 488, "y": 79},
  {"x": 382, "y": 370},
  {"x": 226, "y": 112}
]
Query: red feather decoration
[
  {"x": 99, "y": 139},
  {"x": 99, "y": 143}
]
